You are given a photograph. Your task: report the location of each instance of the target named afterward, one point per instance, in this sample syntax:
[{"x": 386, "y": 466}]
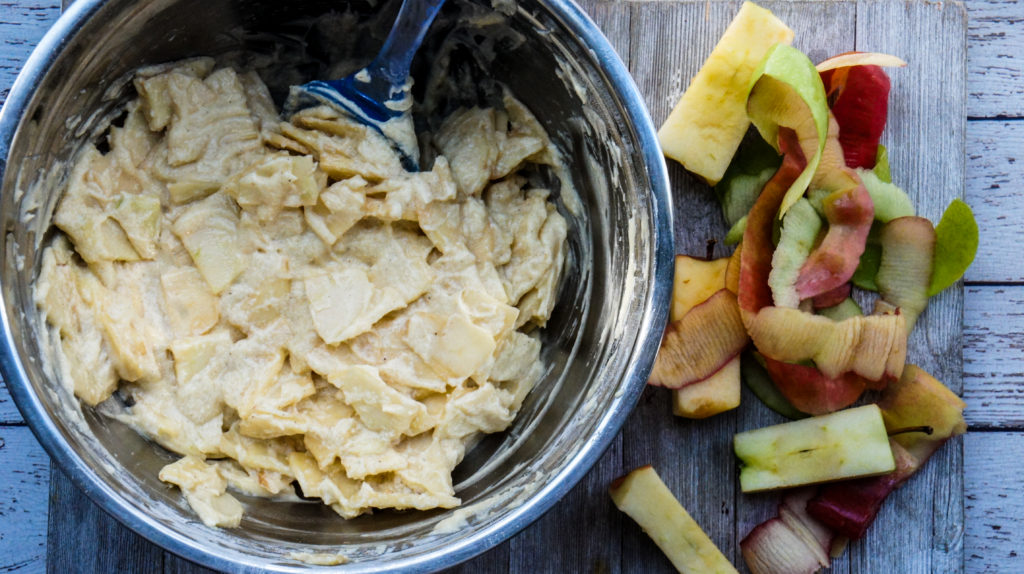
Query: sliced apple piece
[
  {"x": 701, "y": 343},
  {"x": 707, "y": 125},
  {"x": 643, "y": 496},
  {"x": 695, "y": 281},
  {"x": 847, "y": 444},
  {"x": 209, "y": 230},
  {"x": 716, "y": 394},
  {"x": 905, "y": 271}
]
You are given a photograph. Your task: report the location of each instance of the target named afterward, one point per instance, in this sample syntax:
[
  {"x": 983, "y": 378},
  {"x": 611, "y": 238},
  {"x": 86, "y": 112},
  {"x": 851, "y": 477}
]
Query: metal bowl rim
[{"x": 634, "y": 378}]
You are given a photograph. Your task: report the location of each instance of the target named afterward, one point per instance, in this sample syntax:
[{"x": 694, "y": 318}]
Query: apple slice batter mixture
[{"x": 281, "y": 302}]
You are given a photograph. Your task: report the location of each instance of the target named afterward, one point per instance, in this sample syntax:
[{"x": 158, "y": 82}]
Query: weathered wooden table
[{"x": 971, "y": 495}]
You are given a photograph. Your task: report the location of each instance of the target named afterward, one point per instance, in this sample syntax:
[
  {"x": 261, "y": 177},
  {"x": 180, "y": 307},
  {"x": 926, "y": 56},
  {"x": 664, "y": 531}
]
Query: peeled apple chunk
[
  {"x": 847, "y": 444},
  {"x": 788, "y": 93},
  {"x": 716, "y": 394},
  {"x": 643, "y": 496},
  {"x": 695, "y": 281},
  {"x": 702, "y": 342},
  {"x": 707, "y": 125}
]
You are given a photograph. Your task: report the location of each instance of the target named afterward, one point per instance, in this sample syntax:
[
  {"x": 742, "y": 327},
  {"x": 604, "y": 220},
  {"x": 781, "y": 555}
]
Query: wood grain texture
[
  {"x": 994, "y": 506},
  {"x": 993, "y": 347},
  {"x": 993, "y": 339},
  {"x": 22, "y": 25},
  {"x": 82, "y": 538},
  {"x": 996, "y": 57},
  {"x": 25, "y": 469},
  {"x": 995, "y": 160},
  {"x": 928, "y": 523}
]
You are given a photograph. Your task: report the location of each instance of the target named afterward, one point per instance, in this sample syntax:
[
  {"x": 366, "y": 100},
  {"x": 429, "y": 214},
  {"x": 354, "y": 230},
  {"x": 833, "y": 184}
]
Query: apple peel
[
  {"x": 788, "y": 92},
  {"x": 716, "y": 394},
  {"x": 756, "y": 258},
  {"x": 874, "y": 347},
  {"x": 859, "y": 100},
  {"x": 908, "y": 249},
  {"x": 956, "y": 244},
  {"x": 702, "y": 342},
  {"x": 809, "y": 391},
  {"x": 848, "y": 508},
  {"x": 848, "y": 59},
  {"x": 795, "y": 542},
  {"x": 919, "y": 399},
  {"x": 849, "y": 213}
]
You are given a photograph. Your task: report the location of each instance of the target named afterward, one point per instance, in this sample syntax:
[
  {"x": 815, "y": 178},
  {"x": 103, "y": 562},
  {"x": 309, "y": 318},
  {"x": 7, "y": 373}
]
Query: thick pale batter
[{"x": 281, "y": 302}]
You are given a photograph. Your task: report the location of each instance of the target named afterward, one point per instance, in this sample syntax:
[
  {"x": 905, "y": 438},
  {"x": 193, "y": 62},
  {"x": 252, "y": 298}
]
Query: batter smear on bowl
[{"x": 281, "y": 302}]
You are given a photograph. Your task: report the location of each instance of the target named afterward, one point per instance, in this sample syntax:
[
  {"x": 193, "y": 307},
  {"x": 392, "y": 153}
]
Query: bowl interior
[{"x": 598, "y": 345}]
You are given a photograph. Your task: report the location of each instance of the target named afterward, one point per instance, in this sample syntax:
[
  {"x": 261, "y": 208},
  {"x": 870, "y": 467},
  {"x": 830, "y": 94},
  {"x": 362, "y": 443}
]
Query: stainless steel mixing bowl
[{"x": 599, "y": 346}]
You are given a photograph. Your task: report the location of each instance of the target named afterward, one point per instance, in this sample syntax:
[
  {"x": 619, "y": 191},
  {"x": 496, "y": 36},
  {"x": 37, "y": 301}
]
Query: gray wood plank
[
  {"x": 175, "y": 565},
  {"x": 21, "y": 27},
  {"x": 25, "y": 469},
  {"x": 83, "y": 539},
  {"x": 670, "y": 41},
  {"x": 994, "y": 507},
  {"x": 932, "y": 38},
  {"x": 993, "y": 372},
  {"x": 995, "y": 59},
  {"x": 995, "y": 164}
]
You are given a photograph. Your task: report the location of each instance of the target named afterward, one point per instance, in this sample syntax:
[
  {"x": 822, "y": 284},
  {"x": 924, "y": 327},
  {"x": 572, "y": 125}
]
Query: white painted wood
[
  {"x": 993, "y": 369},
  {"x": 995, "y": 55},
  {"x": 995, "y": 191},
  {"x": 24, "y": 491},
  {"x": 994, "y": 506},
  {"x": 21, "y": 27}
]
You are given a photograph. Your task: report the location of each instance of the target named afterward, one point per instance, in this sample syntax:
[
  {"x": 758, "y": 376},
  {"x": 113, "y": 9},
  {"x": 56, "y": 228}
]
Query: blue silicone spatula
[{"x": 378, "y": 95}]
